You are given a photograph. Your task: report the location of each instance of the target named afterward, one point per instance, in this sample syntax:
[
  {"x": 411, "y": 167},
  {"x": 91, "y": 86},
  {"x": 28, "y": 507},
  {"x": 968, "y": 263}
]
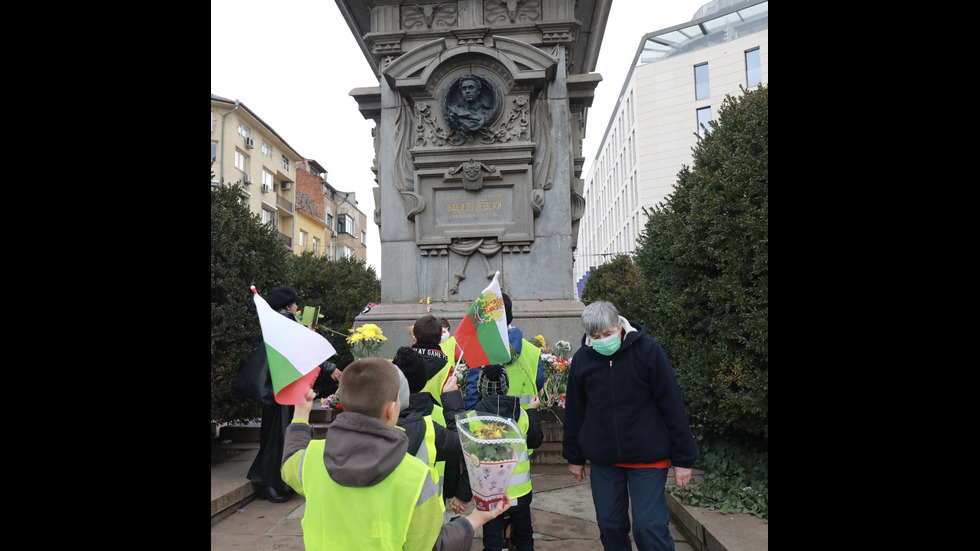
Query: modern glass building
[{"x": 679, "y": 75}]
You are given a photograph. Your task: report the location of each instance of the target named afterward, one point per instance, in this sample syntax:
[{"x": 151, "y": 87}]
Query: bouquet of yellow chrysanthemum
[{"x": 365, "y": 341}]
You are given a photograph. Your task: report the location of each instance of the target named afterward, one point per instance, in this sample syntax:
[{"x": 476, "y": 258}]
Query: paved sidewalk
[{"x": 562, "y": 513}]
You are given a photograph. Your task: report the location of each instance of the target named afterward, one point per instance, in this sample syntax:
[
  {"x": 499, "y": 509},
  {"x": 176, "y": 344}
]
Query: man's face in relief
[{"x": 469, "y": 90}]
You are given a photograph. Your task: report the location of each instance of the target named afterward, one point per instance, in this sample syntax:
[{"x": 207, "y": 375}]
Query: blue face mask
[{"x": 607, "y": 346}]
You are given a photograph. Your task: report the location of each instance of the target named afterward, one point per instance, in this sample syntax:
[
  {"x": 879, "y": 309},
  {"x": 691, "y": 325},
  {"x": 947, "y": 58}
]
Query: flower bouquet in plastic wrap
[{"x": 491, "y": 447}]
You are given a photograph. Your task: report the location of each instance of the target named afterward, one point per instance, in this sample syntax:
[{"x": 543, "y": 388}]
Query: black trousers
[{"x": 267, "y": 467}]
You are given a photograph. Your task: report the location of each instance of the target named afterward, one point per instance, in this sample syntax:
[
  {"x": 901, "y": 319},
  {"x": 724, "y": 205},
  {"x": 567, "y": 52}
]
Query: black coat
[{"x": 626, "y": 408}]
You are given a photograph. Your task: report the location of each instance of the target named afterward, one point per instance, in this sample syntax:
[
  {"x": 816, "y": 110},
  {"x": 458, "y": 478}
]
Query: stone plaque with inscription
[{"x": 499, "y": 209}]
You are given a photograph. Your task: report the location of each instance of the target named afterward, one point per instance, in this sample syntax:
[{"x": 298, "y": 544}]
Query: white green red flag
[
  {"x": 295, "y": 353},
  {"x": 482, "y": 334}
]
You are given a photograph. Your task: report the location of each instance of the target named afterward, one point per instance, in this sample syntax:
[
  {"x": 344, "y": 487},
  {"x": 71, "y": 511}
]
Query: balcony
[{"x": 283, "y": 204}]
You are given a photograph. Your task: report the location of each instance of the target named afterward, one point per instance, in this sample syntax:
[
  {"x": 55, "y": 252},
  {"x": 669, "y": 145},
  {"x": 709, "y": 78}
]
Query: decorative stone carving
[
  {"x": 513, "y": 11},
  {"x": 403, "y": 166},
  {"x": 487, "y": 247},
  {"x": 472, "y": 174},
  {"x": 428, "y": 131},
  {"x": 544, "y": 156},
  {"x": 470, "y": 103},
  {"x": 473, "y": 151},
  {"x": 418, "y": 16}
]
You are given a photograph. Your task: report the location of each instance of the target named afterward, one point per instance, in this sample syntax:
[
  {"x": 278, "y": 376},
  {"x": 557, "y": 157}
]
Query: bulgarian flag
[
  {"x": 295, "y": 353},
  {"x": 482, "y": 334}
]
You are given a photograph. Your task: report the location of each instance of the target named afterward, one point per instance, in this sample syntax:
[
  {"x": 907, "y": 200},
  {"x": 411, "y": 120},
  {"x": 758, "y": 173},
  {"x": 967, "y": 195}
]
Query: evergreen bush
[
  {"x": 244, "y": 252},
  {"x": 704, "y": 257}
]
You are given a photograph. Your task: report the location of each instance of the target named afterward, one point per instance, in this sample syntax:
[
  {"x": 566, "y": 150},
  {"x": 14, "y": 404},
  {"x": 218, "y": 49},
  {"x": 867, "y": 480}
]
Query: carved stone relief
[
  {"x": 473, "y": 146},
  {"x": 544, "y": 155},
  {"x": 470, "y": 103},
  {"x": 429, "y": 131},
  {"x": 511, "y": 11},
  {"x": 427, "y": 16},
  {"x": 472, "y": 174}
]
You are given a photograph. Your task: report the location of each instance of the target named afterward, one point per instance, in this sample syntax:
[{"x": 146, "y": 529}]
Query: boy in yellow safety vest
[
  {"x": 525, "y": 370},
  {"x": 493, "y": 387},
  {"x": 363, "y": 489},
  {"x": 426, "y": 341},
  {"x": 431, "y": 429}
]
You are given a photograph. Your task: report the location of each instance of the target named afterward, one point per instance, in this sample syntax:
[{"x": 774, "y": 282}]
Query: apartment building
[
  {"x": 330, "y": 224},
  {"x": 247, "y": 150},
  {"x": 679, "y": 76},
  {"x": 286, "y": 190}
]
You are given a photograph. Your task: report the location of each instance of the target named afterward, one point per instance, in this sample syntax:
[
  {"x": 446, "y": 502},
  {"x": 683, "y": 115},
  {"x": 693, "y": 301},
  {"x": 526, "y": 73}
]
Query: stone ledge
[
  {"x": 709, "y": 530},
  {"x": 224, "y": 505}
]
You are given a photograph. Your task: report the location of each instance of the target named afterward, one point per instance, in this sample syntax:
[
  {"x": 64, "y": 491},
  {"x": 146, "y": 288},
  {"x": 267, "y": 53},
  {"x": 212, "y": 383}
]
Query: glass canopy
[{"x": 703, "y": 32}]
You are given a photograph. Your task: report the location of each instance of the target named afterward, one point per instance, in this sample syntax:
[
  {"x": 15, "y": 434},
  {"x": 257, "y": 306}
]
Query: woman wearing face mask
[{"x": 625, "y": 415}]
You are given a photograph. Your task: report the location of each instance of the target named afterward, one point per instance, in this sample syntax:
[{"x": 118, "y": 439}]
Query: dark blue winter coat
[{"x": 625, "y": 408}]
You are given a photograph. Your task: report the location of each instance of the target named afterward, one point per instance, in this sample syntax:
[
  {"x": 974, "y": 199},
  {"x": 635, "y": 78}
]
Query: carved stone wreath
[{"x": 428, "y": 130}]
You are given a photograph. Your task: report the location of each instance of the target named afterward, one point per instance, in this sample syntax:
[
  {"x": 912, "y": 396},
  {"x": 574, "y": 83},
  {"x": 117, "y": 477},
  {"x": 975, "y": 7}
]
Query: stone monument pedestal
[{"x": 480, "y": 112}]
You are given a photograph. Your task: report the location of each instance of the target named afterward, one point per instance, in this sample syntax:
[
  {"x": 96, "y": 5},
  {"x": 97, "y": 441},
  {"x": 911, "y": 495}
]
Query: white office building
[{"x": 680, "y": 77}]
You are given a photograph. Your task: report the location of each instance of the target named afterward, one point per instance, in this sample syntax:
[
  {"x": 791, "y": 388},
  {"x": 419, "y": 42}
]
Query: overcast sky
[{"x": 310, "y": 62}]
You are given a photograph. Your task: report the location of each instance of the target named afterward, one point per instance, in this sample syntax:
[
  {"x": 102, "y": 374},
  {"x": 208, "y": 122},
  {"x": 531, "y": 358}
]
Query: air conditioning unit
[
  {"x": 248, "y": 178},
  {"x": 266, "y": 188},
  {"x": 286, "y": 186},
  {"x": 250, "y": 142}
]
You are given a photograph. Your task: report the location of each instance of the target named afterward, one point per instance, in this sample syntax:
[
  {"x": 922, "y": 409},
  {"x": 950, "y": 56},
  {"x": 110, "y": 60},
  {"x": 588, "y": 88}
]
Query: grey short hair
[{"x": 598, "y": 316}]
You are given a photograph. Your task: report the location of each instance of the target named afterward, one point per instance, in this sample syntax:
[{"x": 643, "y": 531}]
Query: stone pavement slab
[{"x": 562, "y": 514}]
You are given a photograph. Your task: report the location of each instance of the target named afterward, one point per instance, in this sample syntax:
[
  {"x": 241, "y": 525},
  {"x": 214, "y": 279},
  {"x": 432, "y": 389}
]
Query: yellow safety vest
[
  {"x": 427, "y": 450},
  {"x": 434, "y": 385},
  {"x": 438, "y": 417},
  {"x": 448, "y": 347},
  {"x": 373, "y": 517},
  {"x": 522, "y": 374},
  {"x": 520, "y": 480}
]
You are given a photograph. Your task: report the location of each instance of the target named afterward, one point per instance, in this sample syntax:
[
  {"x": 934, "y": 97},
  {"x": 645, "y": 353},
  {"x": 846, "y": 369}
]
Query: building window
[
  {"x": 267, "y": 150},
  {"x": 330, "y": 222},
  {"x": 267, "y": 217},
  {"x": 704, "y": 117},
  {"x": 316, "y": 245},
  {"x": 363, "y": 236},
  {"x": 243, "y": 130},
  {"x": 346, "y": 252},
  {"x": 241, "y": 161},
  {"x": 266, "y": 179},
  {"x": 302, "y": 239},
  {"x": 214, "y": 151},
  {"x": 285, "y": 163},
  {"x": 701, "y": 88},
  {"x": 341, "y": 223},
  {"x": 753, "y": 68}
]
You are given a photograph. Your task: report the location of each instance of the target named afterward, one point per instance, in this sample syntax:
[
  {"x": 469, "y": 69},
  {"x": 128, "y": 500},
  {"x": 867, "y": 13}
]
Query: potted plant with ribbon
[{"x": 491, "y": 448}]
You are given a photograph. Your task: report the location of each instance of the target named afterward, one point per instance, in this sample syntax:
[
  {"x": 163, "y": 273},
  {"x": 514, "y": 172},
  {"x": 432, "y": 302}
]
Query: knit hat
[
  {"x": 410, "y": 363},
  {"x": 403, "y": 393},
  {"x": 508, "y": 308},
  {"x": 281, "y": 297},
  {"x": 492, "y": 380}
]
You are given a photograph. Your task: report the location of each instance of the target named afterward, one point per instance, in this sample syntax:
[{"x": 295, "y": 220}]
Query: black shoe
[{"x": 273, "y": 495}]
